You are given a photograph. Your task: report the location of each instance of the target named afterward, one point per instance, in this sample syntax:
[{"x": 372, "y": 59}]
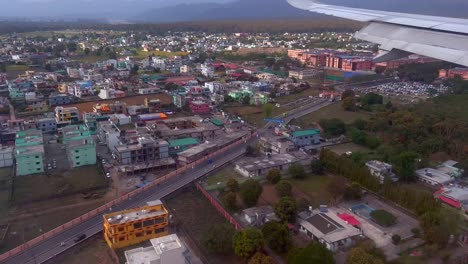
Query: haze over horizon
[{"x": 143, "y": 10}]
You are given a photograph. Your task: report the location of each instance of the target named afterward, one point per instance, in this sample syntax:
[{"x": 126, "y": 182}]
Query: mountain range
[
  {"x": 261, "y": 9},
  {"x": 197, "y": 10}
]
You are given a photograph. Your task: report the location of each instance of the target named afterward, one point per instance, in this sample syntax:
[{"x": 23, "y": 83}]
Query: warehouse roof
[
  {"x": 183, "y": 142},
  {"x": 302, "y": 133}
]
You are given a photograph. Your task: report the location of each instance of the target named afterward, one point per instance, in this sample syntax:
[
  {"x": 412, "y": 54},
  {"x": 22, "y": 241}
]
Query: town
[{"x": 193, "y": 147}]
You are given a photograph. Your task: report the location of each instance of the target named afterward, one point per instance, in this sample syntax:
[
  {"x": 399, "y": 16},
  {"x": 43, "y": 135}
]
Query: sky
[{"x": 63, "y": 8}]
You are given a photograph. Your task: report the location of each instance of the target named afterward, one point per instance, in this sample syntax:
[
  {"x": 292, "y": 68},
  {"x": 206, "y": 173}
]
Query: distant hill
[{"x": 265, "y": 9}]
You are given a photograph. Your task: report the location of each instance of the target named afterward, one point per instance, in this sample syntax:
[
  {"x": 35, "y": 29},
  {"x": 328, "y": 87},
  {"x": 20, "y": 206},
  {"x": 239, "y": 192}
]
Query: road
[{"x": 47, "y": 249}]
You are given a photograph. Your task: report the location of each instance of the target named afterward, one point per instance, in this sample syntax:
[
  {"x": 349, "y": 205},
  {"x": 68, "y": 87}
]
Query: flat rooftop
[
  {"x": 134, "y": 214},
  {"x": 434, "y": 175},
  {"x": 164, "y": 250}
]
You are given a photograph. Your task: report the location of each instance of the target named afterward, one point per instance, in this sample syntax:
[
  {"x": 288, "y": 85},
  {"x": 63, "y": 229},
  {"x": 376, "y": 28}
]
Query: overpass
[{"x": 58, "y": 240}]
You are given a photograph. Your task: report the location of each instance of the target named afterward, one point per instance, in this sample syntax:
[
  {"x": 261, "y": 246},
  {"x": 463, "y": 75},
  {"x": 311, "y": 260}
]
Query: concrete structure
[
  {"x": 199, "y": 107},
  {"x": 6, "y": 156},
  {"x": 164, "y": 250},
  {"x": 143, "y": 149},
  {"x": 121, "y": 119},
  {"x": 309, "y": 73},
  {"x": 133, "y": 226},
  {"x": 455, "y": 196},
  {"x": 381, "y": 170},
  {"x": 303, "y": 138},
  {"x": 108, "y": 134},
  {"x": 109, "y": 93},
  {"x": 184, "y": 127},
  {"x": 328, "y": 229},
  {"x": 91, "y": 121},
  {"x": 179, "y": 145},
  {"x": 80, "y": 146},
  {"x": 29, "y": 152},
  {"x": 257, "y": 167},
  {"x": 193, "y": 154},
  {"x": 60, "y": 99},
  {"x": 258, "y": 216},
  {"x": 47, "y": 125},
  {"x": 276, "y": 145},
  {"x": 66, "y": 116},
  {"x": 153, "y": 90},
  {"x": 443, "y": 174},
  {"x": 452, "y": 73}
]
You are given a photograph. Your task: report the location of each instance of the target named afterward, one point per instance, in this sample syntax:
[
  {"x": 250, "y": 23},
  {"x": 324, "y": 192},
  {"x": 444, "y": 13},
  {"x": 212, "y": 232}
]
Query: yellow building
[{"x": 129, "y": 227}]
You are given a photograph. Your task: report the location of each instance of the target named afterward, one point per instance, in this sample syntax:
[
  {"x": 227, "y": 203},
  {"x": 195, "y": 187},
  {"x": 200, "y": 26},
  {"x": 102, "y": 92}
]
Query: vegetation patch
[{"x": 383, "y": 218}]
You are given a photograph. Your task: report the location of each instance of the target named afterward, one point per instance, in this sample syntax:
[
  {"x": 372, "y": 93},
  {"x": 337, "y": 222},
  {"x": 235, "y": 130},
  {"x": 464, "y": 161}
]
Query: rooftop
[
  {"x": 135, "y": 214},
  {"x": 183, "y": 142},
  {"x": 309, "y": 132},
  {"x": 164, "y": 250},
  {"x": 434, "y": 175}
]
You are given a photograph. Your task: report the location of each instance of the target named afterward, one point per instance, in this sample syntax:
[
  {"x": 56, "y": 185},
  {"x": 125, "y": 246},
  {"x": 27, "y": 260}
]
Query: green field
[
  {"x": 91, "y": 58},
  {"x": 71, "y": 182},
  {"x": 221, "y": 177},
  {"x": 329, "y": 112},
  {"x": 314, "y": 187},
  {"x": 17, "y": 67},
  {"x": 343, "y": 148},
  {"x": 141, "y": 54}
]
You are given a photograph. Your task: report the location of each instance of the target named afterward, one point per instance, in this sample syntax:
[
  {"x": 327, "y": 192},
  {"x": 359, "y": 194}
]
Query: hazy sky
[{"x": 25, "y": 8}]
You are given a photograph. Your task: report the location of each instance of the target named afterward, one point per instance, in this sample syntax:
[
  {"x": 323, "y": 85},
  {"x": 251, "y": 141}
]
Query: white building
[
  {"x": 305, "y": 74},
  {"x": 164, "y": 250},
  {"x": 159, "y": 63},
  {"x": 214, "y": 87},
  {"x": 109, "y": 133},
  {"x": 109, "y": 93},
  {"x": 381, "y": 170},
  {"x": 443, "y": 174},
  {"x": 207, "y": 70},
  {"x": 185, "y": 69}
]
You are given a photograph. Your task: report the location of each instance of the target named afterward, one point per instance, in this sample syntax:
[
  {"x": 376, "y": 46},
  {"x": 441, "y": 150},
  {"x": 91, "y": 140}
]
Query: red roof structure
[
  {"x": 450, "y": 202},
  {"x": 349, "y": 219}
]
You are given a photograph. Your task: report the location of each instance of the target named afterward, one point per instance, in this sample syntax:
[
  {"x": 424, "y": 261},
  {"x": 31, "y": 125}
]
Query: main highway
[{"x": 62, "y": 241}]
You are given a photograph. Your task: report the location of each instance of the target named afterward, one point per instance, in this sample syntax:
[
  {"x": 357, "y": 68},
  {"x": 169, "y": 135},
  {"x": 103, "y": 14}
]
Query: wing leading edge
[{"x": 437, "y": 37}]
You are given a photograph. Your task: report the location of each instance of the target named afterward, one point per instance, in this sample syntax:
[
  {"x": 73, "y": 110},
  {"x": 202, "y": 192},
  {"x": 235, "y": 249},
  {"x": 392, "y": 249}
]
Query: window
[
  {"x": 148, "y": 223},
  {"x": 137, "y": 225},
  {"x": 121, "y": 238},
  {"x": 121, "y": 229},
  {"x": 37, "y": 163},
  {"x": 77, "y": 157},
  {"x": 159, "y": 220},
  {"x": 37, "y": 157},
  {"x": 138, "y": 234},
  {"x": 160, "y": 230},
  {"x": 38, "y": 169},
  {"x": 149, "y": 232},
  {"x": 76, "y": 151}
]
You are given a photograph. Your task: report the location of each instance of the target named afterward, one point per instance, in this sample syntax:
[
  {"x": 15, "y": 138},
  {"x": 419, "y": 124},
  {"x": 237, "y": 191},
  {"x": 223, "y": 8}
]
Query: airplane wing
[{"x": 402, "y": 34}]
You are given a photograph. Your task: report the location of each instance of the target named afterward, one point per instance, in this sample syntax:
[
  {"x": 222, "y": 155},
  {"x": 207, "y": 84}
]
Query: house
[
  {"x": 60, "y": 99},
  {"x": 109, "y": 93},
  {"x": 258, "y": 216},
  {"x": 441, "y": 175},
  {"x": 164, "y": 250},
  {"x": 108, "y": 133},
  {"x": 29, "y": 152},
  {"x": 454, "y": 195},
  {"x": 6, "y": 156},
  {"x": 329, "y": 229},
  {"x": 47, "y": 125},
  {"x": 199, "y": 107},
  {"x": 310, "y": 73},
  {"x": 381, "y": 170},
  {"x": 257, "y": 167},
  {"x": 303, "y": 138},
  {"x": 66, "y": 116},
  {"x": 276, "y": 144},
  {"x": 91, "y": 121}
]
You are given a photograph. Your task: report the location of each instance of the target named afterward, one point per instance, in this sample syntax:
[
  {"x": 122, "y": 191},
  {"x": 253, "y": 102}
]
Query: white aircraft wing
[{"x": 402, "y": 34}]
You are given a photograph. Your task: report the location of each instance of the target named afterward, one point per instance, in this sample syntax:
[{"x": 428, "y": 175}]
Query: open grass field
[
  {"x": 193, "y": 216},
  {"x": 91, "y": 58},
  {"x": 132, "y": 100},
  {"x": 141, "y": 54},
  {"x": 17, "y": 67},
  {"x": 221, "y": 177},
  {"x": 329, "y": 112},
  {"x": 343, "y": 148},
  {"x": 314, "y": 188},
  {"x": 56, "y": 185},
  {"x": 293, "y": 97}
]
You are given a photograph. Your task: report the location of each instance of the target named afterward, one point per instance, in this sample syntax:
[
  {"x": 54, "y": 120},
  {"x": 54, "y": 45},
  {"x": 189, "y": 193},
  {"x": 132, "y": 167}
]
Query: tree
[
  {"x": 276, "y": 236},
  {"x": 336, "y": 187},
  {"x": 260, "y": 258},
  {"x": 218, "y": 238},
  {"x": 405, "y": 166},
  {"x": 333, "y": 127},
  {"x": 274, "y": 176},
  {"x": 230, "y": 200},
  {"x": 267, "y": 110},
  {"x": 359, "y": 255},
  {"x": 48, "y": 67},
  {"x": 358, "y": 136},
  {"x": 284, "y": 188},
  {"x": 247, "y": 242},
  {"x": 317, "y": 167},
  {"x": 134, "y": 69},
  {"x": 232, "y": 185},
  {"x": 353, "y": 192},
  {"x": 348, "y": 93},
  {"x": 348, "y": 104},
  {"x": 251, "y": 151},
  {"x": 314, "y": 253},
  {"x": 297, "y": 171},
  {"x": 360, "y": 124},
  {"x": 250, "y": 191},
  {"x": 3, "y": 68},
  {"x": 246, "y": 100},
  {"x": 396, "y": 239},
  {"x": 286, "y": 209},
  {"x": 171, "y": 86}
]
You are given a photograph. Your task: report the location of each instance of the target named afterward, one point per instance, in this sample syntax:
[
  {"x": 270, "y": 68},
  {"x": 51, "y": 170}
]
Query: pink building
[
  {"x": 452, "y": 73},
  {"x": 199, "y": 107}
]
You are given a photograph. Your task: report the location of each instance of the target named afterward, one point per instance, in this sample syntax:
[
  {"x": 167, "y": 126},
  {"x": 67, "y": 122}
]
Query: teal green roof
[
  {"x": 217, "y": 122},
  {"x": 310, "y": 132},
  {"x": 183, "y": 142}
]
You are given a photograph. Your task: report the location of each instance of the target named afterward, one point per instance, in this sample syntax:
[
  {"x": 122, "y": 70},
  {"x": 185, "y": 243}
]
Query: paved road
[{"x": 49, "y": 248}]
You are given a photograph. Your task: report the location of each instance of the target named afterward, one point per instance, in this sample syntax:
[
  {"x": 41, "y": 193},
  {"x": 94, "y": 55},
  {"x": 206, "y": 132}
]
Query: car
[
  {"x": 79, "y": 238},
  {"x": 108, "y": 175}
]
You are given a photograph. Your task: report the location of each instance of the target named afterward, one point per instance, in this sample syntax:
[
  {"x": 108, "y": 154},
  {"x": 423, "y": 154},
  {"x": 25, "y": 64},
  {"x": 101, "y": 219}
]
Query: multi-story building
[
  {"x": 108, "y": 133},
  {"x": 6, "y": 156},
  {"x": 47, "y": 125},
  {"x": 195, "y": 153},
  {"x": 80, "y": 146},
  {"x": 381, "y": 170},
  {"x": 178, "y": 145},
  {"x": 304, "y": 138},
  {"x": 60, "y": 99},
  {"x": 207, "y": 70},
  {"x": 452, "y": 73},
  {"x": 133, "y": 226},
  {"x": 114, "y": 108},
  {"x": 153, "y": 105},
  {"x": 199, "y": 107},
  {"x": 306, "y": 74},
  {"x": 29, "y": 152},
  {"x": 109, "y": 93},
  {"x": 91, "y": 121},
  {"x": 183, "y": 127},
  {"x": 66, "y": 116},
  {"x": 143, "y": 149}
]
